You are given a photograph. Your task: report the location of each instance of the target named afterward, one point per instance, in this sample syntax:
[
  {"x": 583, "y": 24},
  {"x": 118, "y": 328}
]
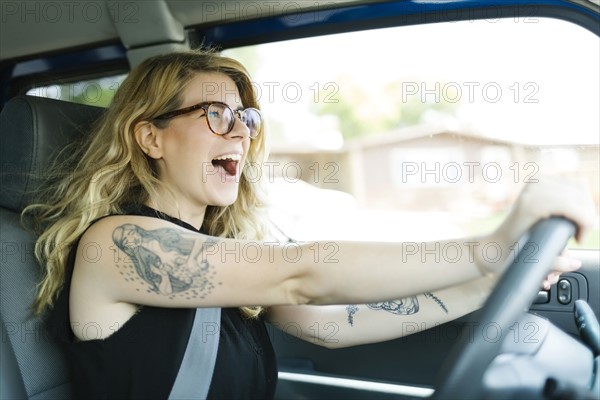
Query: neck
[{"x": 191, "y": 215}]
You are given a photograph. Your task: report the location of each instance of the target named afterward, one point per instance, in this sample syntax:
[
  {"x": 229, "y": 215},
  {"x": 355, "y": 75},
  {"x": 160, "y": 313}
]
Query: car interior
[{"x": 523, "y": 343}]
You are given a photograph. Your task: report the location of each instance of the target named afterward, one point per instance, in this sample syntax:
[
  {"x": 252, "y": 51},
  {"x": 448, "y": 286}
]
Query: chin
[{"x": 224, "y": 200}]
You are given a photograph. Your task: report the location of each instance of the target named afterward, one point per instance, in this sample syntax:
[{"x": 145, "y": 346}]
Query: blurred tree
[{"x": 369, "y": 109}]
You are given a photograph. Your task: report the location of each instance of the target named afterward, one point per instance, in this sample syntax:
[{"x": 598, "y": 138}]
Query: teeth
[{"x": 234, "y": 157}]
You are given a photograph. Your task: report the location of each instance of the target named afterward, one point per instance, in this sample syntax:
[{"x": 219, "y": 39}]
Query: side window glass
[
  {"x": 96, "y": 92},
  {"x": 425, "y": 132}
]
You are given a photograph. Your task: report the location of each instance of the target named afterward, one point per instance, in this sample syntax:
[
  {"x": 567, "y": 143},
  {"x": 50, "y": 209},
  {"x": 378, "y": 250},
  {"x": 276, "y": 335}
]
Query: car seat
[{"x": 32, "y": 131}]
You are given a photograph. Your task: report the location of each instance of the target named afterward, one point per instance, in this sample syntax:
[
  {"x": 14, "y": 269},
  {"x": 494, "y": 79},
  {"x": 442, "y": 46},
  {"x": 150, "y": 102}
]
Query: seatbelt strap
[{"x": 198, "y": 364}]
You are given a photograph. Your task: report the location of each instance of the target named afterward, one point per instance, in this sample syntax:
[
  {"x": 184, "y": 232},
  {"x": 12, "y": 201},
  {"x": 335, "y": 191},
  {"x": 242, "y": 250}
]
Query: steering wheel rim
[{"x": 462, "y": 373}]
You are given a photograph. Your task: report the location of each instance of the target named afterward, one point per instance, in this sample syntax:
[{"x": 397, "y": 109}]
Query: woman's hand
[
  {"x": 563, "y": 263},
  {"x": 546, "y": 198}
]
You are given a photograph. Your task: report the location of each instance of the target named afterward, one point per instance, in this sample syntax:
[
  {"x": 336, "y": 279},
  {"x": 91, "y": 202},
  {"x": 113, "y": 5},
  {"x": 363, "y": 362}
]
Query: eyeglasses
[{"x": 220, "y": 117}]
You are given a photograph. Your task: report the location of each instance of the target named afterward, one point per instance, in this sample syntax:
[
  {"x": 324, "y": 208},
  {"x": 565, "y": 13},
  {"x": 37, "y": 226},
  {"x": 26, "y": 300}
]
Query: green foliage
[{"x": 364, "y": 109}]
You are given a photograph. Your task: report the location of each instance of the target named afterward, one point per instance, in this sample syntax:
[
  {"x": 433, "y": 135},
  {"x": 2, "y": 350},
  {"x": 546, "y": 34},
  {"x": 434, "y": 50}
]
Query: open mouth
[{"x": 229, "y": 162}]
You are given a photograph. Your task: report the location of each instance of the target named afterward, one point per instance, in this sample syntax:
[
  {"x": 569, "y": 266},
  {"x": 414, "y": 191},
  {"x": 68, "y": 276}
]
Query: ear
[{"x": 146, "y": 136}]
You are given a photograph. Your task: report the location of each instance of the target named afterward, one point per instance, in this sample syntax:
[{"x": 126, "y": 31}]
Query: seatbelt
[{"x": 198, "y": 364}]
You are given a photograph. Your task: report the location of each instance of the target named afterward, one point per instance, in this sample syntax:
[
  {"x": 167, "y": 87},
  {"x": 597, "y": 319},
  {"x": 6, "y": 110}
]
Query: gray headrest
[{"x": 32, "y": 131}]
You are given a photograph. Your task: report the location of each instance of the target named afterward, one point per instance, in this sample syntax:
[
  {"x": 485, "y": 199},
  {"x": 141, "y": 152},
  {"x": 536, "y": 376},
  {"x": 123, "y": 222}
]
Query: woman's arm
[
  {"x": 117, "y": 257},
  {"x": 127, "y": 259},
  {"x": 340, "y": 326}
]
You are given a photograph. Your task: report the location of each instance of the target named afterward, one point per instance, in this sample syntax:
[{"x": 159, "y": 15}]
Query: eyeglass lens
[{"x": 221, "y": 119}]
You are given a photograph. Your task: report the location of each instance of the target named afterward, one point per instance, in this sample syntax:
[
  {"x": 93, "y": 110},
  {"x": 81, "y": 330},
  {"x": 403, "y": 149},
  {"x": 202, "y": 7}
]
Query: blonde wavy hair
[{"x": 111, "y": 172}]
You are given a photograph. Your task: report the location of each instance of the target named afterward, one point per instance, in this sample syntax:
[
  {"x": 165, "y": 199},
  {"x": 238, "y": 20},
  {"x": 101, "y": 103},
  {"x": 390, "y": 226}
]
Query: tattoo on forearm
[
  {"x": 439, "y": 302},
  {"x": 165, "y": 259},
  {"x": 405, "y": 306},
  {"x": 352, "y": 309}
]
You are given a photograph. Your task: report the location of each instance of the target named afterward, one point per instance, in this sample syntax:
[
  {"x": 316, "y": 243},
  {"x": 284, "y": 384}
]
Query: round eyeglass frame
[{"x": 205, "y": 105}]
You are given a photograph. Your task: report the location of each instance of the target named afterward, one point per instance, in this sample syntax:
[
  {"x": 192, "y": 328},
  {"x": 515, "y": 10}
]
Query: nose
[{"x": 239, "y": 130}]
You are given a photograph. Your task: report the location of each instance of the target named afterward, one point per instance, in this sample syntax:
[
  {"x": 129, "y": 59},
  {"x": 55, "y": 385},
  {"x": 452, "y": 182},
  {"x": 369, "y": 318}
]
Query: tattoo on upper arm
[
  {"x": 352, "y": 309},
  {"x": 164, "y": 259}
]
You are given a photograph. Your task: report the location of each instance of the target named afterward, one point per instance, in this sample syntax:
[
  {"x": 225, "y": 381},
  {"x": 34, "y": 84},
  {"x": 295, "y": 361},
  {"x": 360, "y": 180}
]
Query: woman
[{"x": 160, "y": 193}]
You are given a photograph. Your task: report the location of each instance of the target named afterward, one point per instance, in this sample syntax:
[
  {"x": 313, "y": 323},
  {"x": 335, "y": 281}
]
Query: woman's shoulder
[
  {"x": 109, "y": 225},
  {"x": 116, "y": 267},
  {"x": 139, "y": 218}
]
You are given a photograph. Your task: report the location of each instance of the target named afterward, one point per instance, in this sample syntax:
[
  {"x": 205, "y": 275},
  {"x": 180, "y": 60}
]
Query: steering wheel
[{"x": 462, "y": 373}]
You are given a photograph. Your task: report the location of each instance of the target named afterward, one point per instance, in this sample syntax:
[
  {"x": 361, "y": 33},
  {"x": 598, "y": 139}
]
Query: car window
[
  {"x": 425, "y": 132},
  {"x": 96, "y": 92}
]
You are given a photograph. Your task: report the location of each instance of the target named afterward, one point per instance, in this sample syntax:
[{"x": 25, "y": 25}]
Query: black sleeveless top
[{"x": 141, "y": 359}]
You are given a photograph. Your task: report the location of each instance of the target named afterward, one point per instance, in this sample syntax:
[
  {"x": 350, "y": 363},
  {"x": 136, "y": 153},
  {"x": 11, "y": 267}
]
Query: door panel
[{"x": 407, "y": 367}]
